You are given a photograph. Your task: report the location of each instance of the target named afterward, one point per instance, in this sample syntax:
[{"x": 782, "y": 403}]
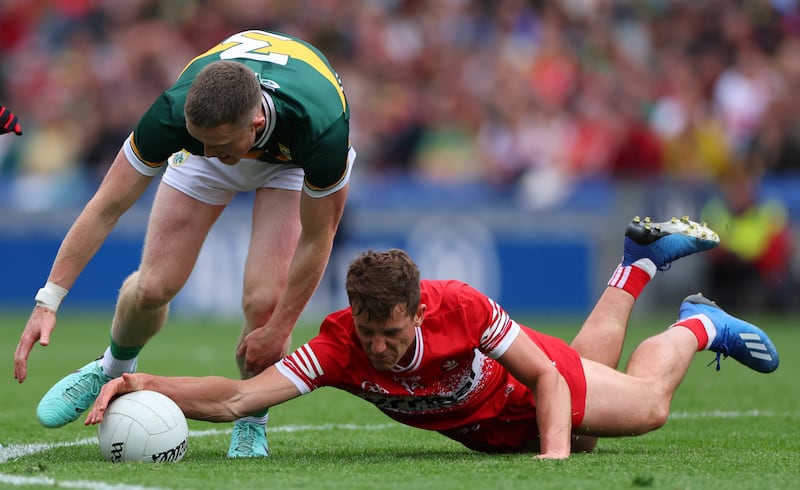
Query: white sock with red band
[
  {"x": 702, "y": 327},
  {"x": 633, "y": 278}
]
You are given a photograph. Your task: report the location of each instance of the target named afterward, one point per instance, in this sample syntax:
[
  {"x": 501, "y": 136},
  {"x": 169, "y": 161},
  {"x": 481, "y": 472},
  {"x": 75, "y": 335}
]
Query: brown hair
[
  {"x": 379, "y": 281},
  {"x": 224, "y": 92}
]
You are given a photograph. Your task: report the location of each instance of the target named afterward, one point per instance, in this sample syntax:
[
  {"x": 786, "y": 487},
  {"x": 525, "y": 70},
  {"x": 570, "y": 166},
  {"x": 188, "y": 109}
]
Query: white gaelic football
[{"x": 143, "y": 426}]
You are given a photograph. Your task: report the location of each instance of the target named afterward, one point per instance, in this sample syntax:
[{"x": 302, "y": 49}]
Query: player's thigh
[
  {"x": 275, "y": 231},
  {"x": 617, "y": 404},
  {"x": 176, "y": 231}
]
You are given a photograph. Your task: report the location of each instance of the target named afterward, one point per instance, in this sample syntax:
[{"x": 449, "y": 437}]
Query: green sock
[{"x": 124, "y": 353}]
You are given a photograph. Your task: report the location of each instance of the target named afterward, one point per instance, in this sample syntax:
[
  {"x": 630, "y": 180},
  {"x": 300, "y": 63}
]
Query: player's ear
[
  {"x": 419, "y": 315},
  {"x": 260, "y": 119}
]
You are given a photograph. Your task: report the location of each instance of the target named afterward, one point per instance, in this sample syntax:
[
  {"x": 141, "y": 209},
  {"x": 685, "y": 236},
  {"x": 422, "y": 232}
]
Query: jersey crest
[
  {"x": 286, "y": 154},
  {"x": 178, "y": 158}
]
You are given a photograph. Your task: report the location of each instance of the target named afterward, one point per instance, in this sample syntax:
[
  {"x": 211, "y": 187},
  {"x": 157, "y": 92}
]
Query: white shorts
[{"x": 215, "y": 183}]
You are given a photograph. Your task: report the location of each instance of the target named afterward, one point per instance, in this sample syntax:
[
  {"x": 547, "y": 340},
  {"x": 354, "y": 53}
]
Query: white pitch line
[
  {"x": 14, "y": 451},
  {"x": 298, "y": 428},
  {"x": 722, "y": 414},
  {"x": 44, "y": 481}
]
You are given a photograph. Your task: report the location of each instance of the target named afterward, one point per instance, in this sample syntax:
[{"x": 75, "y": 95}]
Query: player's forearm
[
  {"x": 219, "y": 399},
  {"x": 554, "y": 415},
  {"x": 320, "y": 219},
  {"x": 305, "y": 273},
  {"x": 121, "y": 187},
  {"x": 80, "y": 244},
  {"x": 211, "y": 398}
]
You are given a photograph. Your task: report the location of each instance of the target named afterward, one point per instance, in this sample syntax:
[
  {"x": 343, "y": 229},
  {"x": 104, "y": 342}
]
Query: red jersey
[{"x": 453, "y": 384}]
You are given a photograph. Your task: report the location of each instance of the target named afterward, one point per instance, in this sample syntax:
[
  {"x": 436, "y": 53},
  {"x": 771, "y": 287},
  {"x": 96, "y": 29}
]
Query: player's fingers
[
  {"x": 47, "y": 327},
  {"x": 98, "y": 410},
  {"x": 94, "y": 416},
  {"x": 21, "y": 358},
  {"x": 20, "y": 372},
  {"x": 19, "y": 367},
  {"x": 107, "y": 392},
  {"x": 254, "y": 364},
  {"x": 551, "y": 456},
  {"x": 44, "y": 339}
]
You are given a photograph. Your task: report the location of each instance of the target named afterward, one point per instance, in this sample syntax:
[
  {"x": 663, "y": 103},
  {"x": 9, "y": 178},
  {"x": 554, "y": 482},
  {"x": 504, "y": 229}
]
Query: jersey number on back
[{"x": 253, "y": 45}]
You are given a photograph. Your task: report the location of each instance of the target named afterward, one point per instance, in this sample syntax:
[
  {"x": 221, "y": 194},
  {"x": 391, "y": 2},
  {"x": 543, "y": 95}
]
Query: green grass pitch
[{"x": 732, "y": 428}]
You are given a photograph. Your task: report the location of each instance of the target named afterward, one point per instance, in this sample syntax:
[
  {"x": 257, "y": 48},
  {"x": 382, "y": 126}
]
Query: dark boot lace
[{"x": 722, "y": 349}]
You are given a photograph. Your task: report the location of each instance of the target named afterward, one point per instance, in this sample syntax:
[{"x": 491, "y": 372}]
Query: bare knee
[
  {"x": 646, "y": 414},
  {"x": 660, "y": 416},
  {"x": 654, "y": 418},
  {"x": 150, "y": 292}
]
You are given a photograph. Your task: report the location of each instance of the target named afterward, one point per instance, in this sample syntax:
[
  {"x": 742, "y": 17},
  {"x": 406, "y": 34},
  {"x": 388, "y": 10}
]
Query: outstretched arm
[
  {"x": 120, "y": 188},
  {"x": 526, "y": 362},
  {"x": 210, "y": 398}
]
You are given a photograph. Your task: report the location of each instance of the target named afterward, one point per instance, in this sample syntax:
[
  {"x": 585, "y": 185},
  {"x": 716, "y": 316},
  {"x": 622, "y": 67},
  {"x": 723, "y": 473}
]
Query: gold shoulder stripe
[
  {"x": 139, "y": 155},
  {"x": 347, "y": 167}
]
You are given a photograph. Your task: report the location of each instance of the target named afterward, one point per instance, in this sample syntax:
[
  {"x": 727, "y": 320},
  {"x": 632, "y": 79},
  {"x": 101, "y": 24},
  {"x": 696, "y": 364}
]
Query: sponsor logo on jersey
[
  {"x": 268, "y": 84},
  {"x": 371, "y": 387},
  {"x": 178, "y": 158},
  {"x": 411, "y": 384},
  {"x": 286, "y": 154},
  {"x": 449, "y": 365}
]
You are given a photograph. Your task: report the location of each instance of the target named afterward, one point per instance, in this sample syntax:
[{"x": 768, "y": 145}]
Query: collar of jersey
[
  {"x": 416, "y": 360},
  {"x": 269, "y": 111}
]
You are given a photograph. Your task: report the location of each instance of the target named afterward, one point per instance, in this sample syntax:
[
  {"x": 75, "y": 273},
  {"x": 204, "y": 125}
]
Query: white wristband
[{"x": 50, "y": 296}]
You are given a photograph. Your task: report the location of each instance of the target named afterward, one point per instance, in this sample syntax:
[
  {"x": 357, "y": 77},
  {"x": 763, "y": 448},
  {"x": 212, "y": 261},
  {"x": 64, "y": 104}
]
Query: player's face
[
  {"x": 227, "y": 143},
  {"x": 386, "y": 344}
]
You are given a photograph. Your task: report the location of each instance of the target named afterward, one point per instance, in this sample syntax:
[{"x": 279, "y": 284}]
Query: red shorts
[{"x": 514, "y": 428}]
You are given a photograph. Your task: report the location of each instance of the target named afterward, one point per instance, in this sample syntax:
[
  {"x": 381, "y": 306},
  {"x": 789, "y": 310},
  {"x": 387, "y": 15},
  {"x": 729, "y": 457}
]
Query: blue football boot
[
  {"x": 248, "y": 440},
  {"x": 736, "y": 338},
  {"x": 71, "y": 396},
  {"x": 665, "y": 242}
]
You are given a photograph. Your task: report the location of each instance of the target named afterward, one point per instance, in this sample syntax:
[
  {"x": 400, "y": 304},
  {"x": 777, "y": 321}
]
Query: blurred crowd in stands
[{"x": 509, "y": 92}]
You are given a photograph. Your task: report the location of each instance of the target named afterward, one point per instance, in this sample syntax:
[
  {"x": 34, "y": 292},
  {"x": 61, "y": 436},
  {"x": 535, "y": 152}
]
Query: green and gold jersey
[{"x": 308, "y": 114}]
